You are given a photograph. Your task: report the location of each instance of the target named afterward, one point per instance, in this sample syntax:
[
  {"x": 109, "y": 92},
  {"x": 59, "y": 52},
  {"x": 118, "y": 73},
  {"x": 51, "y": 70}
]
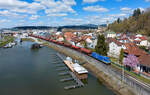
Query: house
[
  {"x": 24, "y": 35},
  {"x": 91, "y": 43},
  {"x": 142, "y": 56},
  {"x": 133, "y": 49},
  {"x": 59, "y": 38},
  {"x": 114, "y": 47},
  {"x": 140, "y": 40},
  {"x": 58, "y": 33},
  {"x": 79, "y": 45},
  {"x": 110, "y": 34},
  {"x": 144, "y": 41},
  {"x": 138, "y": 35},
  {"x": 144, "y": 65},
  {"x": 69, "y": 35}
]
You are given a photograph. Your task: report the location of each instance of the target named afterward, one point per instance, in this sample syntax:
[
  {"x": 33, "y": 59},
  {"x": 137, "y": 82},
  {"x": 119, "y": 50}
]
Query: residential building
[
  {"x": 110, "y": 34},
  {"x": 114, "y": 47},
  {"x": 143, "y": 57}
]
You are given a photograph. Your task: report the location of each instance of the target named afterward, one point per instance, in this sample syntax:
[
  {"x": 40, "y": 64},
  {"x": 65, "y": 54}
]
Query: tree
[
  {"x": 137, "y": 23},
  {"x": 121, "y": 56},
  {"x": 118, "y": 20},
  {"x": 101, "y": 46},
  {"x": 85, "y": 44},
  {"x": 121, "y": 62},
  {"x": 136, "y": 12},
  {"x": 131, "y": 61}
]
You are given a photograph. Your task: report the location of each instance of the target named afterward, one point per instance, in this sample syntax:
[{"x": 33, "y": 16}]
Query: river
[{"x": 33, "y": 72}]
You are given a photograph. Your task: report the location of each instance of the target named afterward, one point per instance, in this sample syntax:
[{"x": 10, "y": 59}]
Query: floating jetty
[
  {"x": 71, "y": 87},
  {"x": 66, "y": 79},
  {"x": 64, "y": 73},
  {"x": 60, "y": 65},
  {"x": 72, "y": 74},
  {"x": 60, "y": 56},
  {"x": 61, "y": 69},
  {"x": 78, "y": 81}
]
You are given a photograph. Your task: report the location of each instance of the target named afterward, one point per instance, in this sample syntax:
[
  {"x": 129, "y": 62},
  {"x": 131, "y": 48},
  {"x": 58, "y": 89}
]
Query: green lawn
[
  {"x": 113, "y": 59},
  {"x": 27, "y": 39},
  {"x": 7, "y": 40}
]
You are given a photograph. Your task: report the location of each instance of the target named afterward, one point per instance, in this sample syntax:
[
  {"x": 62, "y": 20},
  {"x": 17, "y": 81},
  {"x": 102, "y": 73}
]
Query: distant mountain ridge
[{"x": 84, "y": 26}]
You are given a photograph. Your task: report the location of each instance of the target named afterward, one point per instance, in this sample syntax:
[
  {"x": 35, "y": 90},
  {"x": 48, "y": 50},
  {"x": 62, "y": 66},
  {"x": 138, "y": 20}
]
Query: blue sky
[{"x": 65, "y": 12}]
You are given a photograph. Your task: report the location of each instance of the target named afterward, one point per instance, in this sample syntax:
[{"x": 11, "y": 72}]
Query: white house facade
[
  {"x": 114, "y": 49},
  {"x": 144, "y": 43}
]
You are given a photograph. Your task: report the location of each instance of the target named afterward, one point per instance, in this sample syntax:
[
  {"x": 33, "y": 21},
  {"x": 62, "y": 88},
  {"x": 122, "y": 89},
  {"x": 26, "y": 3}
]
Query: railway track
[{"x": 118, "y": 72}]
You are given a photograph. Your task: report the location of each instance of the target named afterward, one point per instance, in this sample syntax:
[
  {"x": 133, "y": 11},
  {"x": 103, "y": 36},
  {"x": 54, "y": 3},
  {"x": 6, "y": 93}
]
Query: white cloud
[
  {"x": 147, "y": 0},
  {"x": 73, "y": 21},
  {"x": 60, "y": 8},
  {"x": 7, "y": 13},
  {"x": 142, "y": 9},
  {"x": 57, "y": 14},
  {"x": 4, "y": 21},
  {"x": 69, "y": 2},
  {"x": 34, "y": 17},
  {"x": 99, "y": 19},
  {"x": 7, "y": 4},
  {"x": 20, "y": 6},
  {"x": 96, "y": 8},
  {"x": 91, "y": 1},
  {"x": 118, "y": 15},
  {"x": 126, "y": 10}
]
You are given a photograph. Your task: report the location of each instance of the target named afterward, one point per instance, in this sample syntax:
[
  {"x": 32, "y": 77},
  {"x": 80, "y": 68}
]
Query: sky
[{"x": 65, "y": 12}]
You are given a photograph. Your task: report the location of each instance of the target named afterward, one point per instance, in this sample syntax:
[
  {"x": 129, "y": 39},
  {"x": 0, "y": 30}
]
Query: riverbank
[
  {"x": 99, "y": 71},
  {"x": 28, "y": 39},
  {"x": 7, "y": 40}
]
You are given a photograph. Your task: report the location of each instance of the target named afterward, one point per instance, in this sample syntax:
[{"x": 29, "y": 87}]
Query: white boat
[
  {"x": 8, "y": 45},
  {"x": 77, "y": 69}
]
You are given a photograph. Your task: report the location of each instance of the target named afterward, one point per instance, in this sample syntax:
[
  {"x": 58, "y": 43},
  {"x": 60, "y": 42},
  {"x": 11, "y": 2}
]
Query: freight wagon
[
  {"x": 86, "y": 51},
  {"x": 99, "y": 57},
  {"x": 75, "y": 47}
]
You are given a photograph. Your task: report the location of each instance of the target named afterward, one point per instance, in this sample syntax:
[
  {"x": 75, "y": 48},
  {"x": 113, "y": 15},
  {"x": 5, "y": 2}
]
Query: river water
[{"x": 33, "y": 72}]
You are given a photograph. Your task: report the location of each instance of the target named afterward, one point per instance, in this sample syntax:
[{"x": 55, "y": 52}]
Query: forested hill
[{"x": 139, "y": 22}]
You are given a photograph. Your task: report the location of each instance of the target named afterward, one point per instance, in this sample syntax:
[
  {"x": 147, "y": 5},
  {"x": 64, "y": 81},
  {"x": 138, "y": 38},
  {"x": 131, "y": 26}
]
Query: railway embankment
[{"x": 105, "y": 73}]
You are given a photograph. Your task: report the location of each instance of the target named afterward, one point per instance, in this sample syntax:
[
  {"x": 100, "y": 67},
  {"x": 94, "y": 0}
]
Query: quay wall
[{"x": 108, "y": 75}]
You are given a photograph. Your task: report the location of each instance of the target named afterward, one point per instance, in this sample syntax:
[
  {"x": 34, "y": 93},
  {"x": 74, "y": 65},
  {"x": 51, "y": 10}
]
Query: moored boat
[{"x": 77, "y": 69}]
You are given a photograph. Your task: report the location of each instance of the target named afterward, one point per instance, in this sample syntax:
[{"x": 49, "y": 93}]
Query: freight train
[{"x": 88, "y": 52}]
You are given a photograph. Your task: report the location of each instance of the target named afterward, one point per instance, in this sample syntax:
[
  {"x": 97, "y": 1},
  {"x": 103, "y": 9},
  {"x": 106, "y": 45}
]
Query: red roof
[
  {"x": 143, "y": 38},
  {"x": 144, "y": 60},
  {"x": 109, "y": 40},
  {"x": 131, "y": 48}
]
